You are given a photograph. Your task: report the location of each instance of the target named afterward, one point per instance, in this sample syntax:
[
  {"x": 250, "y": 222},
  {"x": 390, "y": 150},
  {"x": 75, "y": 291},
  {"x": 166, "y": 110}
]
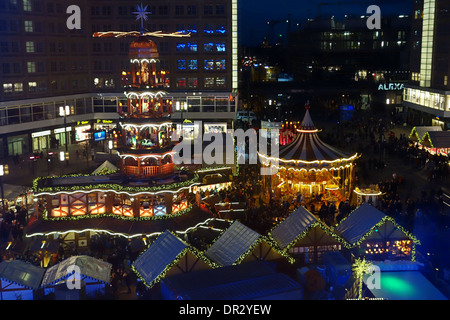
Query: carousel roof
[{"x": 307, "y": 145}]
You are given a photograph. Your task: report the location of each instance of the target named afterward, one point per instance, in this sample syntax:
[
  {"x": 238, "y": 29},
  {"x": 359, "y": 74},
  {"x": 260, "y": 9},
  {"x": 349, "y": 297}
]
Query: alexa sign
[{"x": 391, "y": 86}]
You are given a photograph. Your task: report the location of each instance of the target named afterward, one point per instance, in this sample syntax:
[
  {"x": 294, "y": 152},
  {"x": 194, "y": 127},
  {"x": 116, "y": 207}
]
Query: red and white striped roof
[{"x": 307, "y": 145}]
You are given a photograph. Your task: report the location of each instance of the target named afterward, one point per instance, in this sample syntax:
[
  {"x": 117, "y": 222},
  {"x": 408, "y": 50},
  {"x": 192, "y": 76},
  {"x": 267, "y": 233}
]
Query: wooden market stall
[
  {"x": 370, "y": 233},
  {"x": 167, "y": 255},
  {"x": 303, "y": 235},
  {"x": 19, "y": 280}
]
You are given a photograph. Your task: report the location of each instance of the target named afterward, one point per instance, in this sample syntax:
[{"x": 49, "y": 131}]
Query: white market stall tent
[
  {"x": 376, "y": 236},
  {"x": 19, "y": 280},
  {"x": 94, "y": 275},
  {"x": 167, "y": 255}
]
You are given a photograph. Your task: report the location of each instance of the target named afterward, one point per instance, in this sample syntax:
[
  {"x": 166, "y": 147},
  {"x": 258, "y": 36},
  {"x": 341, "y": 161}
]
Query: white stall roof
[
  {"x": 22, "y": 273},
  {"x": 232, "y": 244},
  {"x": 89, "y": 266},
  {"x": 359, "y": 222},
  {"x": 163, "y": 251},
  {"x": 289, "y": 229}
]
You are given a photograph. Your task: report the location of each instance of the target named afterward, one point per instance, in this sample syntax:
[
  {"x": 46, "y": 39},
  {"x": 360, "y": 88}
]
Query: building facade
[
  {"x": 427, "y": 95},
  {"x": 46, "y": 65}
]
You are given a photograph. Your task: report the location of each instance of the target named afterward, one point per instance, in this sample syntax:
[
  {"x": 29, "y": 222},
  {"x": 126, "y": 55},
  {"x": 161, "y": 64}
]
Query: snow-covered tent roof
[
  {"x": 232, "y": 244},
  {"x": 295, "y": 224},
  {"x": 89, "y": 267},
  {"x": 359, "y": 222},
  {"x": 108, "y": 166},
  {"x": 22, "y": 273},
  {"x": 152, "y": 263}
]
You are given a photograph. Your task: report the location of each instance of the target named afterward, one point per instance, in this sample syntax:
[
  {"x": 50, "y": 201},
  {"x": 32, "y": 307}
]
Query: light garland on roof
[
  {"x": 147, "y": 125},
  {"x": 318, "y": 162},
  {"x": 376, "y": 227},
  {"x": 140, "y": 95},
  {"x": 199, "y": 255},
  {"x": 154, "y": 156},
  {"x": 116, "y": 233},
  {"x": 112, "y": 187}
]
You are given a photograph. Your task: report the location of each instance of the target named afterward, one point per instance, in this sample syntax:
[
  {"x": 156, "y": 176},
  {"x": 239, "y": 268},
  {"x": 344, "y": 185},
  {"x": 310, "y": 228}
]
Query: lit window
[
  {"x": 220, "y": 28},
  {"x": 192, "y": 64},
  {"x": 18, "y": 87},
  {"x": 220, "y": 82},
  {"x": 29, "y": 45},
  {"x": 192, "y": 28},
  {"x": 192, "y": 47},
  {"x": 181, "y": 64},
  {"x": 27, "y": 5},
  {"x": 181, "y": 82},
  {"x": 220, "y": 47},
  {"x": 209, "y": 82},
  {"x": 32, "y": 86},
  {"x": 192, "y": 82},
  {"x": 181, "y": 47},
  {"x": 220, "y": 64},
  {"x": 28, "y": 26},
  {"x": 7, "y": 87},
  {"x": 209, "y": 29},
  {"x": 208, "y": 47},
  {"x": 209, "y": 64},
  {"x": 31, "y": 66}
]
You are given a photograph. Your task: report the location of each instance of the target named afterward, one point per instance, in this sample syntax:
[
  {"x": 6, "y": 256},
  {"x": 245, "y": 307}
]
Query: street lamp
[
  {"x": 63, "y": 156},
  {"x": 64, "y": 112},
  {"x": 4, "y": 170}
]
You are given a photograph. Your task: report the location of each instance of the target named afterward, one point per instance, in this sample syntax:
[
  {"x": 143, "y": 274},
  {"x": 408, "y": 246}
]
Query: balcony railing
[{"x": 149, "y": 171}]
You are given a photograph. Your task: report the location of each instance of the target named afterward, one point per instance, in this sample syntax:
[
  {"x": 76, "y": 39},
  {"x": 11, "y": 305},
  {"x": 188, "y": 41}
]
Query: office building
[
  {"x": 46, "y": 65},
  {"x": 427, "y": 95}
]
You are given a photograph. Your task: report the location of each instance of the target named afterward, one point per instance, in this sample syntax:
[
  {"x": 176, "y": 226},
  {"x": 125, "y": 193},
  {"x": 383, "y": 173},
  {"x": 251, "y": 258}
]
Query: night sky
[{"x": 254, "y": 14}]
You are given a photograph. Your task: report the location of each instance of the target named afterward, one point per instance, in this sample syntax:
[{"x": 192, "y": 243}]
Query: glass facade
[{"x": 428, "y": 99}]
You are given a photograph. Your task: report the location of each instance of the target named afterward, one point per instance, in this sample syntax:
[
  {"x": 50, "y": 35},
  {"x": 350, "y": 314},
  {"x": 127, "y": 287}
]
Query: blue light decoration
[
  {"x": 192, "y": 64},
  {"x": 220, "y": 47},
  {"x": 209, "y": 29},
  {"x": 181, "y": 47},
  {"x": 209, "y": 64},
  {"x": 192, "y": 28},
  {"x": 208, "y": 46},
  {"x": 192, "y": 46},
  {"x": 220, "y": 29},
  {"x": 181, "y": 64}
]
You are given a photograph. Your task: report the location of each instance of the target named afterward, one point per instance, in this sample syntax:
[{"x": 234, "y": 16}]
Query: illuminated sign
[
  {"x": 391, "y": 86},
  {"x": 105, "y": 121},
  {"x": 101, "y": 135},
  {"x": 82, "y": 123}
]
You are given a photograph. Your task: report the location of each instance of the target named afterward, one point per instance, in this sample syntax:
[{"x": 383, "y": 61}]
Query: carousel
[{"x": 309, "y": 167}]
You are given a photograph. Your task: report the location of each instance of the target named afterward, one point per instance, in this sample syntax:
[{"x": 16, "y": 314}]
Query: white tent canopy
[
  {"x": 105, "y": 166},
  {"x": 232, "y": 244}
]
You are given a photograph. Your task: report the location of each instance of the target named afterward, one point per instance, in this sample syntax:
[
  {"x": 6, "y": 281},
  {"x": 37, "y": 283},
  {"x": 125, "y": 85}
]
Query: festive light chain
[
  {"x": 113, "y": 187},
  {"x": 301, "y": 235},
  {"x": 111, "y": 215},
  {"x": 198, "y": 254},
  {"x": 317, "y": 162},
  {"x": 359, "y": 268}
]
